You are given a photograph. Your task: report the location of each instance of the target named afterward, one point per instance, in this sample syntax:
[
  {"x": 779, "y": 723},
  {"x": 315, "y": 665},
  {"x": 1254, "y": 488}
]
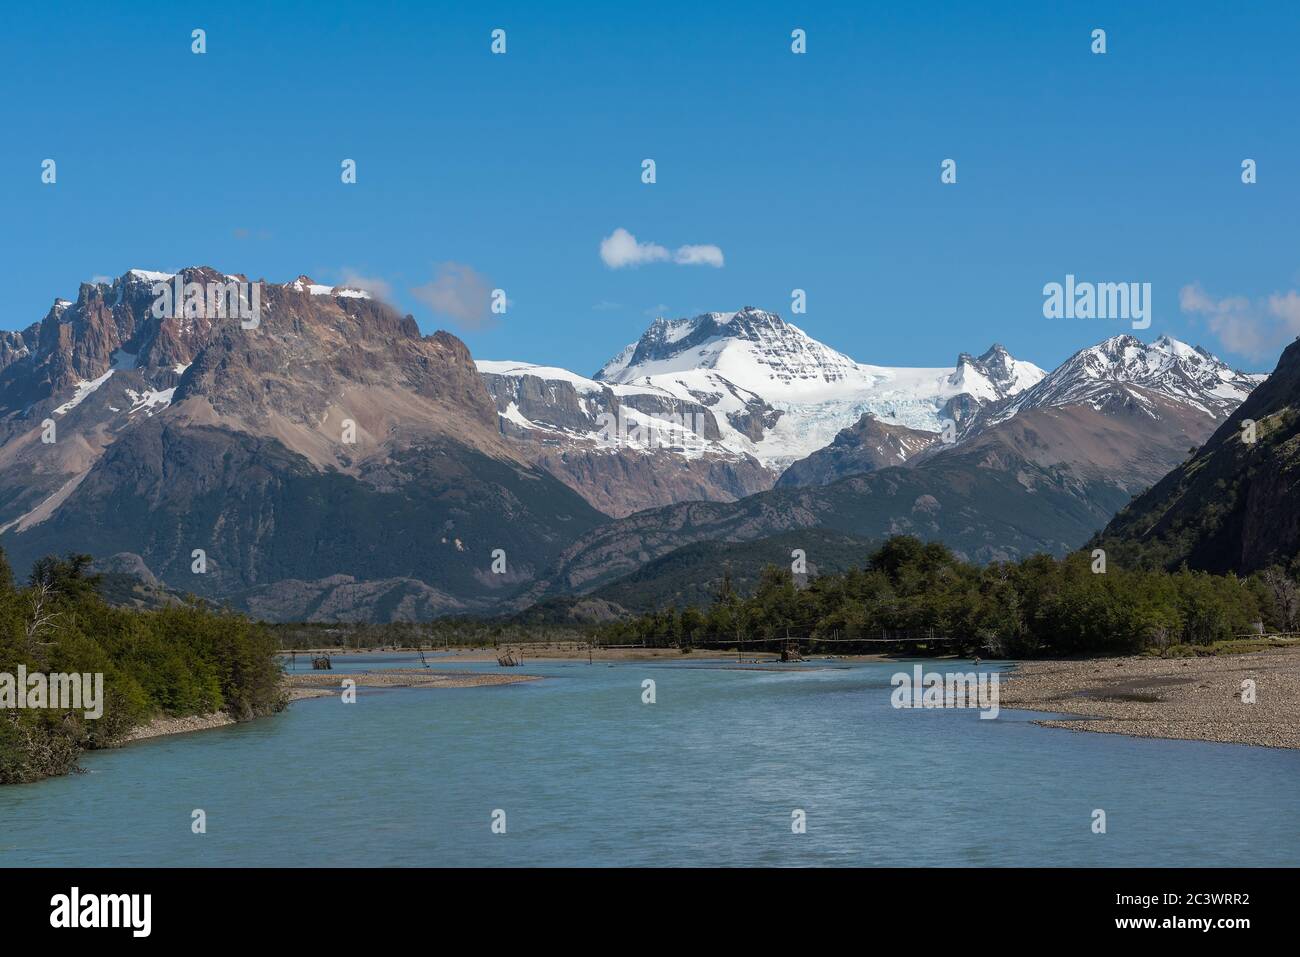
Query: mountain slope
[
  {"x": 1235, "y": 505},
  {"x": 623, "y": 448},
  {"x": 694, "y": 574},
  {"x": 1149, "y": 403},
  {"x": 333, "y": 463},
  {"x": 1043, "y": 479},
  {"x": 333, "y": 439},
  {"x": 867, "y": 445},
  {"x": 988, "y": 502}
]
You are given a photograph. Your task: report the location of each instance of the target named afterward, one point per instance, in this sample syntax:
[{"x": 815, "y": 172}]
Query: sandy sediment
[
  {"x": 538, "y": 651},
  {"x": 1198, "y": 699},
  {"x": 317, "y": 684}
]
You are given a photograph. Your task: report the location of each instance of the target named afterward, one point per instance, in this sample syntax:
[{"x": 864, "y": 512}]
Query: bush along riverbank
[{"x": 78, "y": 674}]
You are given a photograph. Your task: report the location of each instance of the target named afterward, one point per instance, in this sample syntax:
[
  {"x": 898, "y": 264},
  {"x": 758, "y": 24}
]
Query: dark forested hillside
[
  {"x": 1235, "y": 505},
  {"x": 694, "y": 574}
]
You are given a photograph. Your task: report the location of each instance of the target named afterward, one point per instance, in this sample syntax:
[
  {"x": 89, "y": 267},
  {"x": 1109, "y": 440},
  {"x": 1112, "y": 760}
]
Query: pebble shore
[
  {"x": 161, "y": 726},
  {"x": 1196, "y": 699}
]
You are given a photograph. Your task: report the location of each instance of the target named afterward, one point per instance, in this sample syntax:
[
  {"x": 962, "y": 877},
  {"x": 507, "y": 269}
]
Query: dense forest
[
  {"x": 173, "y": 662},
  {"x": 908, "y": 590}
]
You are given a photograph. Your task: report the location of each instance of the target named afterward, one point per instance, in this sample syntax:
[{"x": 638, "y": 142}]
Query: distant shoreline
[
  {"x": 1193, "y": 699},
  {"x": 320, "y": 684},
  {"x": 1190, "y": 699}
]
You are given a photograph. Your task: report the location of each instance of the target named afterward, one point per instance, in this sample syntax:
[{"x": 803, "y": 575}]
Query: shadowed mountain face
[
  {"x": 331, "y": 440},
  {"x": 1235, "y": 505}
]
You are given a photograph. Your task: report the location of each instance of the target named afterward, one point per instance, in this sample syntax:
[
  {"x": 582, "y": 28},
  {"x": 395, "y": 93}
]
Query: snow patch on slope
[
  {"x": 150, "y": 276},
  {"x": 82, "y": 390},
  {"x": 149, "y": 401}
]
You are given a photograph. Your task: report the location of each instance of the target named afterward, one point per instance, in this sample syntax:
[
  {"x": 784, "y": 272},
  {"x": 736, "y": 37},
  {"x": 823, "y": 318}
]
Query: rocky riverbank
[
  {"x": 1201, "y": 699},
  {"x": 162, "y": 726}
]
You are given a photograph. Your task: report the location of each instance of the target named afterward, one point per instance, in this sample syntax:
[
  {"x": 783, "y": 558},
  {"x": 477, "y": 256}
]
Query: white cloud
[
  {"x": 459, "y": 292},
  {"x": 621, "y": 249},
  {"x": 698, "y": 256},
  {"x": 1257, "y": 328}
]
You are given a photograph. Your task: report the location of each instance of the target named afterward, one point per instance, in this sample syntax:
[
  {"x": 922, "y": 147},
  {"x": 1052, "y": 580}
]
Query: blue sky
[{"x": 818, "y": 171}]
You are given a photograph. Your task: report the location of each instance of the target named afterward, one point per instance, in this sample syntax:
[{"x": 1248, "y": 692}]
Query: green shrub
[{"x": 177, "y": 662}]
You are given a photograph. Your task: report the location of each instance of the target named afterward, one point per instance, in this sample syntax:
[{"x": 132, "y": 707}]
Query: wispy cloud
[
  {"x": 621, "y": 249},
  {"x": 380, "y": 288},
  {"x": 1257, "y": 328},
  {"x": 458, "y": 292}
]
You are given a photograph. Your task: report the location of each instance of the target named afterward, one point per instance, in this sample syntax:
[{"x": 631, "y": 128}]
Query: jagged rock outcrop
[{"x": 330, "y": 438}]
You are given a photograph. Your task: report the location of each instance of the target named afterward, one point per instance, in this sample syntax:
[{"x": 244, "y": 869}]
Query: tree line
[
  {"x": 1037, "y": 607},
  {"x": 174, "y": 662}
]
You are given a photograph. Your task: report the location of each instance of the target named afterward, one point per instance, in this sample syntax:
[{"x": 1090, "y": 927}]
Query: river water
[{"x": 713, "y": 773}]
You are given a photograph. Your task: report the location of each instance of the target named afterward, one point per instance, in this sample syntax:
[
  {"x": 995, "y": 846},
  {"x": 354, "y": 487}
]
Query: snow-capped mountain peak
[
  {"x": 148, "y": 275},
  {"x": 994, "y": 375},
  {"x": 1166, "y": 367},
  {"x": 752, "y": 348},
  {"x": 778, "y": 394},
  {"x": 610, "y": 370}
]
